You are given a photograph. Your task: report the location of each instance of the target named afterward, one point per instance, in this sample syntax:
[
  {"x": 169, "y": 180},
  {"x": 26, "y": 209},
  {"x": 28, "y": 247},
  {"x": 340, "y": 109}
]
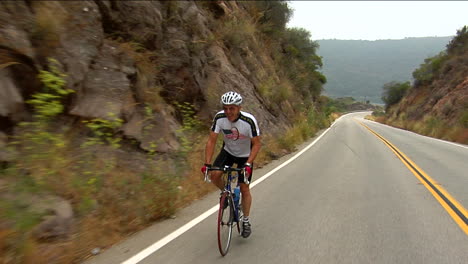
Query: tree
[
  {"x": 272, "y": 16},
  {"x": 429, "y": 69},
  {"x": 459, "y": 43},
  {"x": 393, "y": 92}
]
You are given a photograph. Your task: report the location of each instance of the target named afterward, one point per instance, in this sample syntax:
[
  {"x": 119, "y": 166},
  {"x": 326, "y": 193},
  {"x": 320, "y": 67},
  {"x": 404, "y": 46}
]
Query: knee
[{"x": 245, "y": 190}]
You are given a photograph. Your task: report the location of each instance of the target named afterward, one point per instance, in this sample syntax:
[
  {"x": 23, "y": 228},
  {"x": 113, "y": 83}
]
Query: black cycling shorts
[{"x": 224, "y": 158}]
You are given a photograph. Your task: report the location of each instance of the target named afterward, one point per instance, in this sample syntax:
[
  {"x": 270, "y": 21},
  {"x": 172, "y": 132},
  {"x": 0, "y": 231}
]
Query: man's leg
[
  {"x": 217, "y": 180},
  {"x": 222, "y": 159},
  {"x": 246, "y": 199},
  {"x": 246, "y": 203}
]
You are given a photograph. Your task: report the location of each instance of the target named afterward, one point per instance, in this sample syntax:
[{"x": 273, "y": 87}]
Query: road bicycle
[{"x": 230, "y": 208}]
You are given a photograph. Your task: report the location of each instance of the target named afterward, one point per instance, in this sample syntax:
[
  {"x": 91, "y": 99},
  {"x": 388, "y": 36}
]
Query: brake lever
[
  {"x": 246, "y": 179},
  {"x": 207, "y": 176}
]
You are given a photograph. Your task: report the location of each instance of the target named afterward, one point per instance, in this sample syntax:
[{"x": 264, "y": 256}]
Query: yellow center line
[{"x": 453, "y": 207}]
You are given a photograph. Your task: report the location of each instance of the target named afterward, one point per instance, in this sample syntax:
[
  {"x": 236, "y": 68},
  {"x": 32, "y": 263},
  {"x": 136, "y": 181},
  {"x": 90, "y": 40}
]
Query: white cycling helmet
[{"x": 231, "y": 98}]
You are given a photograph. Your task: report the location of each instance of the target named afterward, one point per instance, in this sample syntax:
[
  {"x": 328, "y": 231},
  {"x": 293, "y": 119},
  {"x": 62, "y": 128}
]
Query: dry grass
[
  {"x": 237, "y": 31},
  {"x": 271, "y": 150},
  {"x": 192, "y": 186},
  {"x": 280, "y": 145},
  {"x": 48, "y": 26},
  {"x": 110, "y": 200},
  {"x": 430, "y": 126},
  {"x": 458, "y": 134}
]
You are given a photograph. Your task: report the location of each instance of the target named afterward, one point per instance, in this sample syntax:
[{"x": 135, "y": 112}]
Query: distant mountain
[{"x": 359, "y": 68}]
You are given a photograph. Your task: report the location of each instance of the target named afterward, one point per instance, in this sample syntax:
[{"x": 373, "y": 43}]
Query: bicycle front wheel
[
  {"x": 225, "y": 222},
  {"x": 239, "y": 215}
]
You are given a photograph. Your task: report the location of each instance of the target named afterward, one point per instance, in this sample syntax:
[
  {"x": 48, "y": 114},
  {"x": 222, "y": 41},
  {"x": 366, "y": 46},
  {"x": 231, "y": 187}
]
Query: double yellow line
[{"x": 458, "y": 213}]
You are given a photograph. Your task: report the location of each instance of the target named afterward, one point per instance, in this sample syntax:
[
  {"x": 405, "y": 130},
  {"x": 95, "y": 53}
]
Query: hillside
[
  {"x": 359, "y": 68},
  {"x": 437, "y": 103},
  {"x": 105, "y": 108}
]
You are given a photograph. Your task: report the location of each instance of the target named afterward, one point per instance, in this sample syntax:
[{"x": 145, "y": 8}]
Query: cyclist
[{"x": 241, "y": 145}]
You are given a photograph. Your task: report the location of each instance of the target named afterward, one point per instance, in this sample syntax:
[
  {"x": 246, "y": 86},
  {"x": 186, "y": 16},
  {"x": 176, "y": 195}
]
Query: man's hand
[{"x": 205, "y": 168}]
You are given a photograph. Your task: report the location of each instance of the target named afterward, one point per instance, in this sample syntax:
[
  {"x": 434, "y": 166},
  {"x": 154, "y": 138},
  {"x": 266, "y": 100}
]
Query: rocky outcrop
[
  {"x": 437, "y": 103},
  {"x": 58, "y": 219},
  {"x": 445, "y": 97},
  {"x": 115, "y": 62},
  {"x": 137, "y": 61},
  {"x": 55, "y": 214}
]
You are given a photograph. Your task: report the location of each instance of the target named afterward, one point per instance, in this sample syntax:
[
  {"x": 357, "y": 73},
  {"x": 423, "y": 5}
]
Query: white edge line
[
  {"x": 409, "y": 131},
  {"x": 159, "y": 244}
]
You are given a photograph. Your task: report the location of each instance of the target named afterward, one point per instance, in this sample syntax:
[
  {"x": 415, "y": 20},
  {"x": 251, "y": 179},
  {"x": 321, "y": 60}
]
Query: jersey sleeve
[
  {"x": 252, "y": 123},
  {"x": 255, "y": 129},
  {"x": 215, "y": 127}
]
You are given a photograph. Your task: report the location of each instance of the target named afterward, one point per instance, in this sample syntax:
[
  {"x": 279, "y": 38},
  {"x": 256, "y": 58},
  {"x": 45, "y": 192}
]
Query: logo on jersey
[{"x": 233, "y": 134}]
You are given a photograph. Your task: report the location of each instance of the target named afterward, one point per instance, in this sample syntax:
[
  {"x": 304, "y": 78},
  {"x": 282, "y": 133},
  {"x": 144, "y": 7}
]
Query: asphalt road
[{"x": 347, "y": 199}]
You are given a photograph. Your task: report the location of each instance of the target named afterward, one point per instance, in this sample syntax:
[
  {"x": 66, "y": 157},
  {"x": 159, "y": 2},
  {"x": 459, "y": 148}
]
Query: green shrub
[
  {"x": 464, "y": 119},
  {"x": 429, "y": 69},
  {"x": 393, "y": 92},
  {"x": 237, "y": 31},
  {"x": 187, "y": 134},
  {"x": 36, "y": 144},
  {"x": 104, "y": 131},
  {"x": 378, "y": 113},
  {"x": 432, "y": 126},
  {"x": 47, "y": 103},
  {"x": 272, "y": 16},
  {"x": 459, "y": 43}
]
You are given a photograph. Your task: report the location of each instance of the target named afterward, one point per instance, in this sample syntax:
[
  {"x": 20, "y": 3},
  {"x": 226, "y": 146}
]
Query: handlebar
[{"x": 225, "y": 169}]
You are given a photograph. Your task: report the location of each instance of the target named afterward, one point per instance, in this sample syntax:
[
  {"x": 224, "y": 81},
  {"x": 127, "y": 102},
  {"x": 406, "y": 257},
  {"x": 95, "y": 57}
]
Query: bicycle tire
[
  {"x": 225, "y": 223},
  {"x": 239, "y": 216}
]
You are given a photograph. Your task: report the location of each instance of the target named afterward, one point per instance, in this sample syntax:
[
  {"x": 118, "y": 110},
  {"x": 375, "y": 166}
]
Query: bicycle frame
[
  {"x": 230, "y": 178},
  {"x": 234, "y": 209}
]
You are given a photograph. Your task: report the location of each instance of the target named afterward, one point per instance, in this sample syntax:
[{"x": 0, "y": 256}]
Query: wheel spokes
[{"x": 225, "y": 221}]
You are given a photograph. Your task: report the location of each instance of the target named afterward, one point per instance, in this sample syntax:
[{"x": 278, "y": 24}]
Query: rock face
[
  {"x": 445, "y": 96},
  {"x": 58, "y": 222},
  {"x": 121, "y": 56},
  {"x": 56, "y": 214}
]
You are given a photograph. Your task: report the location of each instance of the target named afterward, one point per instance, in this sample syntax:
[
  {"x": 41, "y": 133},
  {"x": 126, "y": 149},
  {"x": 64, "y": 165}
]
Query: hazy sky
[{"x": 371, "y": 20}]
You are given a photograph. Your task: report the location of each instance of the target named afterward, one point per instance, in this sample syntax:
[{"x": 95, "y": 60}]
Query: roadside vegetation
[
  {"x": 435, "y": 104},
  {"x": 82, "y": 163}
]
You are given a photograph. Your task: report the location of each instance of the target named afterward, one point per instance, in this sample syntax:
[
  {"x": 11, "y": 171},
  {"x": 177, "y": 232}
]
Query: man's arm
[
  {"x": 210, "y": 146},
  {"x": 256, "y": 145}
]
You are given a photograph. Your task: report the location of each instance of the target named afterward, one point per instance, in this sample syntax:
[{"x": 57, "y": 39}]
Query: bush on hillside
[
  {"x": 459, "y": 42},
  {"x": 429, "y": 69},
  {"x": 272, "y": 16},
  {"x": 301, "y": 62},
  {"x": 393, "y": 92}
]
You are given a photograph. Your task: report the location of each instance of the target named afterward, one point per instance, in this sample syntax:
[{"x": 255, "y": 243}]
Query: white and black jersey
[{"x": 237, "y": 134}]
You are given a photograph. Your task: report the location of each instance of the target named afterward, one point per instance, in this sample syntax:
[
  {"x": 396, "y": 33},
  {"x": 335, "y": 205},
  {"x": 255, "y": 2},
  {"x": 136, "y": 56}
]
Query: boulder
[
  {"x": 154, "y": 134},
  {"x": 11, "y": 100},
  {"x": 57, "y": 224},
  {"x": 106, "y": 89}
]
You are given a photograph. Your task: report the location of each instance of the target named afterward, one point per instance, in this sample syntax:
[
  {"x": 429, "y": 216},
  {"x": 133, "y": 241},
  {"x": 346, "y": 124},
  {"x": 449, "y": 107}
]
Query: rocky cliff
[
  {"x": 120, "y": 56},
  {"x": 104, "y": 106},
  {"x": 437, "y": 103}
]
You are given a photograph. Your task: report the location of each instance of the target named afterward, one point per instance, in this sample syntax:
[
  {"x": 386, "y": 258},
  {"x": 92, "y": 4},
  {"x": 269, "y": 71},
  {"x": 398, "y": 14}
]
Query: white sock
[{"x": 245, "y": 219}]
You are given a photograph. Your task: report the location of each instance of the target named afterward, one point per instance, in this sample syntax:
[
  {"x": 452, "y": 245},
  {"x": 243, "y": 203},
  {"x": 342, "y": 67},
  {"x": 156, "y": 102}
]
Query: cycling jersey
[{"x": 237, "y": 134}]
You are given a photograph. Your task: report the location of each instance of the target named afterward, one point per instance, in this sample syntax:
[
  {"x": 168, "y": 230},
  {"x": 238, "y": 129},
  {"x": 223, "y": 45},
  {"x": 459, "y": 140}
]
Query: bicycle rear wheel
[{"x": 225, "y": 223}]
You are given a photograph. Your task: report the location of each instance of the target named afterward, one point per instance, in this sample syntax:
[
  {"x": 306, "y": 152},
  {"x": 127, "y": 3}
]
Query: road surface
[{"x": 348, "y": 198}]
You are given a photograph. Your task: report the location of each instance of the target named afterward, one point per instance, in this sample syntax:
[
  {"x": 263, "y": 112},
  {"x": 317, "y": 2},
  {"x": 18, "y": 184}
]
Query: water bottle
[{"x": 236, "y": 195}]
